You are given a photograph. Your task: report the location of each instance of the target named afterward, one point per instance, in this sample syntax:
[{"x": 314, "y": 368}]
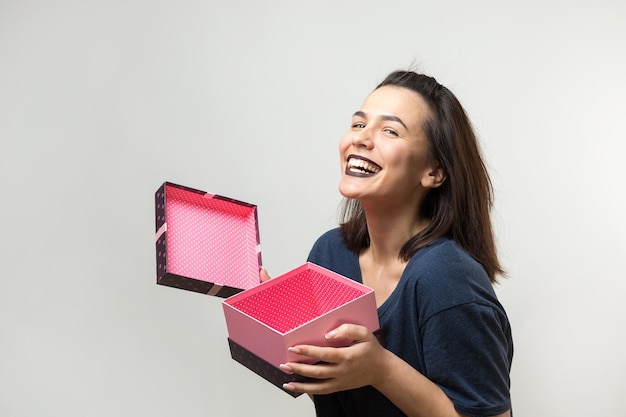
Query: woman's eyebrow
[
  {"x": 389, "y": 117},
  {"x": 393, "y": 119}
]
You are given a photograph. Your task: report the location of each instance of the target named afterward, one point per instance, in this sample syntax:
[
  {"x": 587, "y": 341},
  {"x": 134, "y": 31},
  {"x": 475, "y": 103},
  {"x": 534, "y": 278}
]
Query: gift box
[
  {"x": 263, "y": 368},
  {"x": 205, "y": 243},
  {"x": 210, "y": 244},
  {"x": 298, "y": 307}
]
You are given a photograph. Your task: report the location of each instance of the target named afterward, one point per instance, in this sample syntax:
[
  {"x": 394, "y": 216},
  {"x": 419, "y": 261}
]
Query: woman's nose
[{"x": 362, "y": 139}]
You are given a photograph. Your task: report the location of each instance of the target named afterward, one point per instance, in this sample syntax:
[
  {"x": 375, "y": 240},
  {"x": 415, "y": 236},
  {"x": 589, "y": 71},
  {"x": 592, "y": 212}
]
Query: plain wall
[{"x": 102, "y": 101}]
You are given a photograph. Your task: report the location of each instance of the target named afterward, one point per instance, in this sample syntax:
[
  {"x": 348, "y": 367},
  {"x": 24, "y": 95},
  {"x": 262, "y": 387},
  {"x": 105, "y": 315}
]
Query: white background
[{"x": 101, "y": 101}]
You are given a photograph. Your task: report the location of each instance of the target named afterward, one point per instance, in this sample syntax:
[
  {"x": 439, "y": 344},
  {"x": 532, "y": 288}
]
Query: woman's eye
[
  {"x": 358, "y": 125},
  {"x": 391, "y": 132}
]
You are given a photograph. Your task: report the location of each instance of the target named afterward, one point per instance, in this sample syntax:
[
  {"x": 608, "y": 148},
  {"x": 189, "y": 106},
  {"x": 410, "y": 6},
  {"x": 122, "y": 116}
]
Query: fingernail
[
  {"x": 289, "y": 386},
  {"x": 286, "y": 368},
  {"x": 293, "y": 349},
  {"x": 330, "y": 335}
]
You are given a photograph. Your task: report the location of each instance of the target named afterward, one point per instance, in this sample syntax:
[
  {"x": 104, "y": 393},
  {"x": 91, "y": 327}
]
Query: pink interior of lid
[
  {"x": 297, "y": 300},
  {"x": 211, "y": 239}
]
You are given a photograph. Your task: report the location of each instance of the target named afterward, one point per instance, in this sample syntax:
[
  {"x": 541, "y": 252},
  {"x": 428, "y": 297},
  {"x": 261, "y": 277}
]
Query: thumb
[{"x": 264, "y": 275}]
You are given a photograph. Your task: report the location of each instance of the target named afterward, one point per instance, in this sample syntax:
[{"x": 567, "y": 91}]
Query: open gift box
[
  {"x": 210, "y": 244},
  {"x": 298, "y": 307}
]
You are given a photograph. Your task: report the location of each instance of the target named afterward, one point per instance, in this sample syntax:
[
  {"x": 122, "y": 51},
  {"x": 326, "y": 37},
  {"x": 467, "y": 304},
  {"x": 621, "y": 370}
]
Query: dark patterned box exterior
[
  {"x": 263, "y": 368},
  {"x": 163, "y": 276}
]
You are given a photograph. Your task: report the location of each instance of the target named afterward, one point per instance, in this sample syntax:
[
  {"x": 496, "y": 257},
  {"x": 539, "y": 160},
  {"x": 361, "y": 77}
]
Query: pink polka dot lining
[
  {"x": 296, "y": 300},
  {"x": 212, "y": 239}
]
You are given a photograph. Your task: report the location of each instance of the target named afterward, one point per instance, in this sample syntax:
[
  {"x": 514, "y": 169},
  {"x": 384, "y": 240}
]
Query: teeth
[{"x": 359, "y": 165}]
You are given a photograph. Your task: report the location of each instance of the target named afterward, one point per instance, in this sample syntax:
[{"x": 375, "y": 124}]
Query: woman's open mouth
[{"x": 359, "y": 166}]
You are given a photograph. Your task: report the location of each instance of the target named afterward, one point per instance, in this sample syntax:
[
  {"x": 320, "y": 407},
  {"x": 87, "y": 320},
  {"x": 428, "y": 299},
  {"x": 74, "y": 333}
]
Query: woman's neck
[{"x": 389, "y": 230}]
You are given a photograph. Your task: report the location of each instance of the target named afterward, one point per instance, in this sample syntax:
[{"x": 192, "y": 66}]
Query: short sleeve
[{"x": 468, "y": 353}]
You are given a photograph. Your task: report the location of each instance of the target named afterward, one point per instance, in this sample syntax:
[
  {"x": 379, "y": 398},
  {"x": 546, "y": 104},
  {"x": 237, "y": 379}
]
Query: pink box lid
[{"x": 207, "y": 237}]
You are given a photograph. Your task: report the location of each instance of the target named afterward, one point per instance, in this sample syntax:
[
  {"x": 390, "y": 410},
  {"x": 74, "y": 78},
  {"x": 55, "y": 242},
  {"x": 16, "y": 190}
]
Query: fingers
[
  {"x": 319, "y": 370},
  {"x": 320, "y": 354},
  {"x": 264, "y": 275},
  {"x": 324, "y": 375},
  {"x": 337, "y": 368},
  {"x": 321, "y": 387},
  {"x": 346, "y": 332},
  {"x": 349, "y": 331}
]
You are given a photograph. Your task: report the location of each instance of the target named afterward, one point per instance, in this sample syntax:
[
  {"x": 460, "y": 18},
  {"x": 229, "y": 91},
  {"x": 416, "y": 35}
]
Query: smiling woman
[{"x": 416, "y": 228}]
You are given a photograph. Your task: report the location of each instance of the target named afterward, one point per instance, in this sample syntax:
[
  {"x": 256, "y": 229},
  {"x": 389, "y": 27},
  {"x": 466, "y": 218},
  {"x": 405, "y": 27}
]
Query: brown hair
[{"x": 458, "y": 209}]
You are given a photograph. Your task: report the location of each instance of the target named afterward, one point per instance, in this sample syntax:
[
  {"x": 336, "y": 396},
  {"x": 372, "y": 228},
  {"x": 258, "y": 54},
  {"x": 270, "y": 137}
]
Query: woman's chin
[{"x": 349, "y": 190}]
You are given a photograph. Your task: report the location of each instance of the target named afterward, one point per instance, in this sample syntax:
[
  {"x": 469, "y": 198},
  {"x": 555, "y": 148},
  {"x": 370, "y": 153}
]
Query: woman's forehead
[{"x": 397, "y": 101}]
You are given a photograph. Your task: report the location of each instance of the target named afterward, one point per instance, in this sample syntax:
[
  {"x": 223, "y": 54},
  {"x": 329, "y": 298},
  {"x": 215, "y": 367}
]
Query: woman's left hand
[{"x": 364, "y": 362}]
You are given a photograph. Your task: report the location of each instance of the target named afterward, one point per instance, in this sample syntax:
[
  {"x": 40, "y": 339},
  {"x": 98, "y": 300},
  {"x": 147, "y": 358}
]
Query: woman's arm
[{"x": 364, "y": 363}]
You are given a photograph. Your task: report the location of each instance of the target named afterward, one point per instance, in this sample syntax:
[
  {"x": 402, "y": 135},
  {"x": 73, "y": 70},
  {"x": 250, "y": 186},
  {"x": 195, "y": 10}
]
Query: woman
[{"x": 416, "y": 229}]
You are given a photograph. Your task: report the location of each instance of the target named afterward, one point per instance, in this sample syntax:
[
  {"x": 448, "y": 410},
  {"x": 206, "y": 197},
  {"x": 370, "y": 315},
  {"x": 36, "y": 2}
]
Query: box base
[
  {"x": 264, "y": 369},
  {"x": 268, "y": 371}
]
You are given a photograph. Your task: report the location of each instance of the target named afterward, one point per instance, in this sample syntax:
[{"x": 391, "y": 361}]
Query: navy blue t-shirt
[{"x": 444, "y": 319}]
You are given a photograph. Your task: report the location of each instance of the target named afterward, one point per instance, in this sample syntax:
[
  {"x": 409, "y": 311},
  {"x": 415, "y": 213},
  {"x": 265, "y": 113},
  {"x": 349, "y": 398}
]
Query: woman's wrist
[{"x": 385, "y": 370}]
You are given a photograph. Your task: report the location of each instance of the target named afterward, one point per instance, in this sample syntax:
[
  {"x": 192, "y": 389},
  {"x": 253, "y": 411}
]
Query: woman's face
[{"x": 384, "y": 153}]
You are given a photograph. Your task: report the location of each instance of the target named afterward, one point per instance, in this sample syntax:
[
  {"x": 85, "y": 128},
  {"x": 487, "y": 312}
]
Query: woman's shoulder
[
  {"x": 330, "y": 236},
  {"x": 444, "y": 271},
  {"x": 445, "y": 256},
  {"x": 329, "y": 244},
  {"x": 331, "y": 252},
  {"x": 330, "y": 240}
]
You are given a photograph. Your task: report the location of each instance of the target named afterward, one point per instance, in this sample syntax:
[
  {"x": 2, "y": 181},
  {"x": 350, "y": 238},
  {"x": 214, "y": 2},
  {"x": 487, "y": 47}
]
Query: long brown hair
[{"x": 458, "y": 209}]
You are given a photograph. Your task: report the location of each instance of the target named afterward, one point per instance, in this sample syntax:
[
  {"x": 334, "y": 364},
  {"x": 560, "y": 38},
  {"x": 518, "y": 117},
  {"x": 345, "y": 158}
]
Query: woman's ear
[{"x": 434, "y": 177}]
